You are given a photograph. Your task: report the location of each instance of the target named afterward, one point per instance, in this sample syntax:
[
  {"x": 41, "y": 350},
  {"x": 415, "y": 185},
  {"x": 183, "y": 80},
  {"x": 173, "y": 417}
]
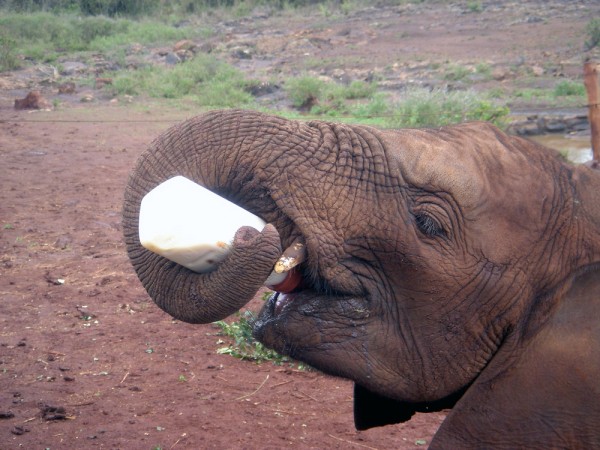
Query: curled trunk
[{"x": 209, "y": 150}]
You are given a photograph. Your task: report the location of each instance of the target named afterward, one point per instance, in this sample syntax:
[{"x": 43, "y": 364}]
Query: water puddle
[{"x": 577, "y": 149}]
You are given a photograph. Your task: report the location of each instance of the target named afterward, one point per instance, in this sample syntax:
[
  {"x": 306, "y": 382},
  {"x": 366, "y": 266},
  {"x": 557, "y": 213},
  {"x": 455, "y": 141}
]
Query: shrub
[
  {"x": 304, "y": 91},
  {"x": 329, "y": 98},
  {"x": 118, "y": 7},
  {"x": 421, "y": 108},
  {"x": 205, "y": 79},
  {"x": 456, "y": 73},
  {"x": 569, "y": 88},
  {"x": 41, "y": 35},
  {"x": 8, "y": 58},
  {"x": 377, "y": 106},
  {"x": 55, "y": 33},
  {"x": 593, "y": 34}
]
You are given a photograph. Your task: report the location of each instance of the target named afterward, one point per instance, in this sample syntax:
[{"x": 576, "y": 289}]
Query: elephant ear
[{"x": 375, "y": 410}]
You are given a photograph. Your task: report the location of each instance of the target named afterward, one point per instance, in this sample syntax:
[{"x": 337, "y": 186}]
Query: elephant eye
[{"x": 429, "y": 226}]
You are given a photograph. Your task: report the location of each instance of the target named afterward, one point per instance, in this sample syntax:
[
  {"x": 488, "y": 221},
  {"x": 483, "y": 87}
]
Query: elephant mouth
[
  {"x": 280, "y": 301},
  {"x": 296, "y": 323}
]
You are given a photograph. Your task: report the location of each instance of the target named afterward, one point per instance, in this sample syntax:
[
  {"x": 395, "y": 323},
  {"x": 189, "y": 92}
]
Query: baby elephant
[{"x": 451, "y": 267}]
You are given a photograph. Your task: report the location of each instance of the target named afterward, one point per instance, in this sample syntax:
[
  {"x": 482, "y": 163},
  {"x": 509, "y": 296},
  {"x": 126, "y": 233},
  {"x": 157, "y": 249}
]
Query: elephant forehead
[{"x": 467, "y": 161}]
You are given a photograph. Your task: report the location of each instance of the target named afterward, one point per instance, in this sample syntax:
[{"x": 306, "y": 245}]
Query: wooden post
[{"x": 592, "y": 86}]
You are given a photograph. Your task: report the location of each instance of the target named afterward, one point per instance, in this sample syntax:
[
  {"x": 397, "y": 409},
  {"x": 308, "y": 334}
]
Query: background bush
[
  {"x": 145, "y": 7},
  {"x": 204, "y": 79}
]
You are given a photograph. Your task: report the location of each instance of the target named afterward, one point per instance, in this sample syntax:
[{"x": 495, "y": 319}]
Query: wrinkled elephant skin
[{"x": 452, "y": 267}]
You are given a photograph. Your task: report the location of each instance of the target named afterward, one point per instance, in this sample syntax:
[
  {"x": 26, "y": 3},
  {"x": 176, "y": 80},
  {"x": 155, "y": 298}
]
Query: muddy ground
[{"x": 86, "y": 360}]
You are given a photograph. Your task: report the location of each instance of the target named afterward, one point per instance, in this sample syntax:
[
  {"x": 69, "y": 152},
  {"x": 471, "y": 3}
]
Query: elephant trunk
[{"x": 213, "y": 151}]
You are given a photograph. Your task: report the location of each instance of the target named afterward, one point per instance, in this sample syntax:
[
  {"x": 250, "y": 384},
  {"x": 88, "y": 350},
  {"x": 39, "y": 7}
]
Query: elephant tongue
[{"x": 289, "y": 283}]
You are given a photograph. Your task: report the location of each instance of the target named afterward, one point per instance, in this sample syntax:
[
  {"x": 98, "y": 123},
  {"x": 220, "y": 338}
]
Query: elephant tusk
[
  {"x": 284, "y": 277},
  {"x": 292, "y": 256}
]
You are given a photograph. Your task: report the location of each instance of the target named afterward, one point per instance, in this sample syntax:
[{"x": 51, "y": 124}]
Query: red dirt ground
[{"x": 86, "y": 359}]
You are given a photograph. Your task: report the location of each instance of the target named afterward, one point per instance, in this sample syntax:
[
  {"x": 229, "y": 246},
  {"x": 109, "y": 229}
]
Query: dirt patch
[{"x": 86, "y": 360}]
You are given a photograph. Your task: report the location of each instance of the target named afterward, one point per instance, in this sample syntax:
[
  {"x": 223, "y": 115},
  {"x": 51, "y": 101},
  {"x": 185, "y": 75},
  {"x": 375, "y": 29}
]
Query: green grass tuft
[
  {"x": 566, "y": 88},
  {"x": 204, "y": 79},
  {"x": 244, "y": 346},
  {"x": 592, "y": 31},
  {"x": 43, "y": 36},
  {"x": 423, "y": 108},
  {"x": 304, "y": 91}
]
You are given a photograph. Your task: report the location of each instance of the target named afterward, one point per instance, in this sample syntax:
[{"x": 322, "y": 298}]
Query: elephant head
[{"x": 456, "y": 266}]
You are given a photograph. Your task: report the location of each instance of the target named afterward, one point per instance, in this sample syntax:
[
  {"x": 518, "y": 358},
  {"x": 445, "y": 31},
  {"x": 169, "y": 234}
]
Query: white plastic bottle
[{"x": 195, "y": 227}]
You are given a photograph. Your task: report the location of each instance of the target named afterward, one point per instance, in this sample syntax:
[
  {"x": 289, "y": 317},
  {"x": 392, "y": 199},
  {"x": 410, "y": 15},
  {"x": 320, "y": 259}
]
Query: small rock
[
  {"x": 101, "y": 82},
  {"x": 241, "y": 53},
  {"x": 6, "y": 414},
  {"x": 53, "y": 412},
  {"x": 207, "y": 47},
  {"x": 262, "y": 88},
  {"x": 555, "y": 126},
  {"x": 70, "y": 68},
  {"x": 66, "y": 88},
  {"x": 172, "y": 59},
  {"x": 33, "y": 100},
  {"x": 185, "y": 44},
  {"x": 500, "y": 73},
  {"x": 136, "y": 48},
  {"x": 184, "y": 55},
  {"x": 533, "y": 19},
  {"x": 19, "y": 430},
  {"x": 63, "y": 242},
  {"x": 87, "y": 98},
  {"x": 538, "y": 71}
]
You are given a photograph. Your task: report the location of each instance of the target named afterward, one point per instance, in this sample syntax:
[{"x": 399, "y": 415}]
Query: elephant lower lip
[{"x": 281, "y": 302}]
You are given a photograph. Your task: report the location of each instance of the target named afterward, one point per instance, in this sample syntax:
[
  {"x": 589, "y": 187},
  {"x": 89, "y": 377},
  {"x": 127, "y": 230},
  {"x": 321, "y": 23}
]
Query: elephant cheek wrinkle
[{"x": 201, "y": 236}]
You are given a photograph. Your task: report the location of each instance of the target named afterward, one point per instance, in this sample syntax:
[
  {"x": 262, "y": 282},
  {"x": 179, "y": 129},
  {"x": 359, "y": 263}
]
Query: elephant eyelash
[{"x": 429, "y": 226}]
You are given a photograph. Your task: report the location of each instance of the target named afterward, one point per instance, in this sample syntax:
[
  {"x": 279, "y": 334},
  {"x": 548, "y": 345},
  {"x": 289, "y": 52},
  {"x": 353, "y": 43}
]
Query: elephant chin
[{"x": 374, "y": 410}]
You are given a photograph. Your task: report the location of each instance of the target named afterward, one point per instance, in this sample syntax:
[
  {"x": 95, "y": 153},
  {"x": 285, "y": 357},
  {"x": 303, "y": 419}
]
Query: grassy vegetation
[
  {"x": 569, "y": 88},
  {"x": 417, "y": 108},
  {"x": 204, "y": 79},
  {"x": 421, "y": 108},
  {"x": 326, "y": 98},
  {"x": 43, "y": 36},
  {"x": 244, "y": 346},
  {"x": 565, "y": 93},
  {"x": 137, "y": 8},
  {"x": 592, "y": 31}
]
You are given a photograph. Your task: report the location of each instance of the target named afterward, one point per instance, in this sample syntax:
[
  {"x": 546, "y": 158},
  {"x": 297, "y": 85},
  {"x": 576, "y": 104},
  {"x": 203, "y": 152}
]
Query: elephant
[{"x": 447, "y": 268}]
